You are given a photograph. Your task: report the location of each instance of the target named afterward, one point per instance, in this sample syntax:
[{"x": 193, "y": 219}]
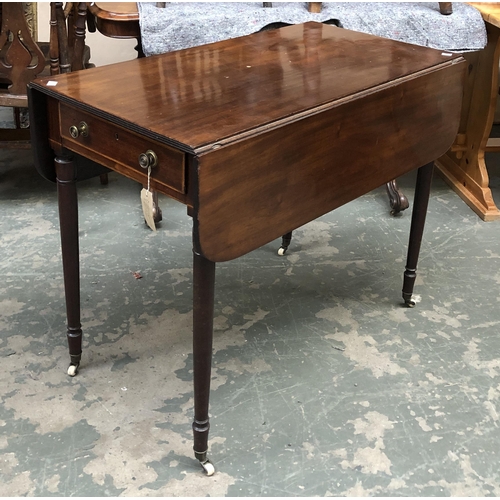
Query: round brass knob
[
  {"x": 82, "y": 129},
  {"x": 148, "y": 159}
]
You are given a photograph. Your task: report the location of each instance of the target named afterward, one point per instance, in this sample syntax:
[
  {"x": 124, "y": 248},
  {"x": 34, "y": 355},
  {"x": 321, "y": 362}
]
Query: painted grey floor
[{"x": 323, "y": 383}]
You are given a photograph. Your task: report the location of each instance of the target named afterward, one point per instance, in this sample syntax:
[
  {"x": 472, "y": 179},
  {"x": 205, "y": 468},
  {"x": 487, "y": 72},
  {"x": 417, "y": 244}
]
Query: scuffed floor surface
[{"x": 323, "y": 383}]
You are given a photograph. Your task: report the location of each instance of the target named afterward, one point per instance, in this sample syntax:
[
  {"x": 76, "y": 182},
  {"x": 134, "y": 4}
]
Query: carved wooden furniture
[
  {"x": 117, "y": 20},
  {"x": 22, "y": 59},
  {"x": 297, "y": 147},
  {"x": 463, "y": 166},
  {"x": 68, "y": 51}
]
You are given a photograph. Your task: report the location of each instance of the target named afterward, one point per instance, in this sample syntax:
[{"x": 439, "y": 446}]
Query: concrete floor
[{"x": 323, "y": 383}]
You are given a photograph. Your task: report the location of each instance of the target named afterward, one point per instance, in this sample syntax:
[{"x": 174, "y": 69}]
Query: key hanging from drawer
[{"x": 147, "y": 203}]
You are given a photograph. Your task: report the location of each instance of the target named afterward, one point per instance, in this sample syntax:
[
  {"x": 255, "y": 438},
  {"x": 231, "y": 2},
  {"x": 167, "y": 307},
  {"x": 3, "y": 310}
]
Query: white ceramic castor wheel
[
  {"x": 281, "y": 251},
  {"x": 208, "y": 467},
  {"x": 72, "y": 370}
]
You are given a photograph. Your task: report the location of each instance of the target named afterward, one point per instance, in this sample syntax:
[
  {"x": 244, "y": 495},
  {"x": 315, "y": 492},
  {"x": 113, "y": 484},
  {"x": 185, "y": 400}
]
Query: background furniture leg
[
  {"x": 397, "y": 200},
  {"x": 285, "y": 243},
  {"x": 463, "y": 167},
  {"x": 314, "y": 7},
  {"x": 203, "y": 316},
  {"x": 419, "y": 212},
  {"x": 68, "y": 219},
  {"x": 446, "y": 8}
]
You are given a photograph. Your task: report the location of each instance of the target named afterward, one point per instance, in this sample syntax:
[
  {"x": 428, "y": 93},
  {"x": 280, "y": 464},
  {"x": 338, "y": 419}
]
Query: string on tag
[{"x": 149, "y": 178}]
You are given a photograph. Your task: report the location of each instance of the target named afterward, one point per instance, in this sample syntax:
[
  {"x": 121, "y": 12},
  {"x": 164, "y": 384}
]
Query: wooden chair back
[
  {"x": 67, "y": 37},
  {"x": 22, "y": 59}
]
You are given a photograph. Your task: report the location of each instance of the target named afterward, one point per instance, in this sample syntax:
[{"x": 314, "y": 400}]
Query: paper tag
[{"x": 147, "y": 208}]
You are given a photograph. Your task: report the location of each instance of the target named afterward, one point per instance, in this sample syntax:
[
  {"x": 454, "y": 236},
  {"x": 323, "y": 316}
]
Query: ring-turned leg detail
[
  {"x": 74, "y": 336},
  {"x": 422, "y": 192},
  {"x": 208, "y": 466},
  {"x": 285, "y": 243}
]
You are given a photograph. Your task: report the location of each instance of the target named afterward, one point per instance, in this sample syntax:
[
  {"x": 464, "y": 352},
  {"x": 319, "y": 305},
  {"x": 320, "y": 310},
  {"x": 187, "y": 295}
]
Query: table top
[
  {"x": 489, "y": 10},
  {"x": 116, "y": 10},
  {"x": 116, "y": 19},
  {"x": 199, "y": 98},
  {"x": 282, "y": 126}
]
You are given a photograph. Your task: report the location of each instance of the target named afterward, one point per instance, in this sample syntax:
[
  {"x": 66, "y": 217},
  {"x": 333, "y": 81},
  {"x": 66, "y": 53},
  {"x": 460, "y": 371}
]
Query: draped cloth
[{"x": 180, "y": 25}]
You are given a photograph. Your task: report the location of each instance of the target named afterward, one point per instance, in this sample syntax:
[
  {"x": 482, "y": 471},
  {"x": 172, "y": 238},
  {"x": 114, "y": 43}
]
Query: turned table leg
[
  {"x": 203, "y": 316},
  {"x": 68, "y": 219},
  {"x": 422, "y": 192}
]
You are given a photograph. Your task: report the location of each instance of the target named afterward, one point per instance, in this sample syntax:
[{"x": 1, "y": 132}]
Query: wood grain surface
[
  {"x": 279, "y": 127},
  {"x": 197, "y": 97},
  {"x": 116, "y": 19},
  {"x": 254, "y": 191},
  {"x": 489, "y": 10}
]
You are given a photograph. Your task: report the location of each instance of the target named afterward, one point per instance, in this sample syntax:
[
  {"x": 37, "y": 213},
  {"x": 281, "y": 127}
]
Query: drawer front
[{"x": 119, "y": 149}]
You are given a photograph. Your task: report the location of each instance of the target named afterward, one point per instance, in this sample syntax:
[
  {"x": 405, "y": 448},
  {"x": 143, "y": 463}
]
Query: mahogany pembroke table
[{"x": 257, "y": 136}]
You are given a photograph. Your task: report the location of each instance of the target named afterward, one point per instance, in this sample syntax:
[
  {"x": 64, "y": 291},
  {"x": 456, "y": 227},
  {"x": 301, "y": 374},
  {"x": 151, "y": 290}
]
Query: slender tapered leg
[
  {"x": 285, "y": 243},
  {"x": 422, "y": 191},
  {"x": 203, "y": 318},
  {"x": 68, "y": 220}
]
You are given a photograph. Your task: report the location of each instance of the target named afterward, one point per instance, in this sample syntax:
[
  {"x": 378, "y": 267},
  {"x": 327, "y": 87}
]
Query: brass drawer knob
[
  {"x": 148, "y": 159},
  {"x": 82, "y": 129}
]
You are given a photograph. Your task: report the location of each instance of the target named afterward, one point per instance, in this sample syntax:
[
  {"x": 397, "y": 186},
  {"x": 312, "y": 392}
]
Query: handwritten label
[{"x": 147, "y": 208}]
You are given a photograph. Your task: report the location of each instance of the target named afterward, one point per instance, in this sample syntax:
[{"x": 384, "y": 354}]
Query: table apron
[{"x": 118, "y": 149}]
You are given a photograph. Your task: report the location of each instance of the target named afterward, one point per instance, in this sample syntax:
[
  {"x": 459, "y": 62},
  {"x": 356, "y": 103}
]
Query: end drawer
[{"x": 119, "y": 149}]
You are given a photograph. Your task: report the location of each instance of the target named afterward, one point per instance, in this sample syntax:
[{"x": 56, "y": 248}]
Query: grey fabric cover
[{"x": 180, "y": 25}]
